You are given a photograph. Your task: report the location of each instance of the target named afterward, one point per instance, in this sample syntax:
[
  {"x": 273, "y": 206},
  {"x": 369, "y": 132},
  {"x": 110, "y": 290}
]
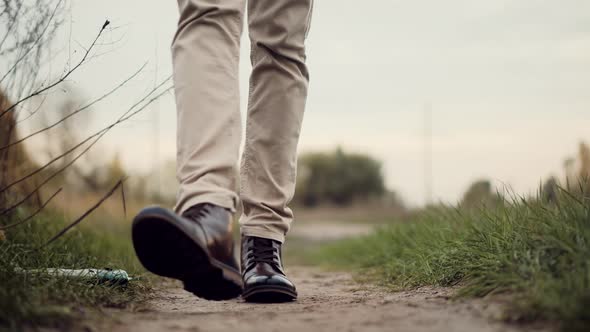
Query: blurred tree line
[
  {"x": 480, "y": 193},
  {"x": 576, "y": 180},
  {"x": 338, "y": 178}
]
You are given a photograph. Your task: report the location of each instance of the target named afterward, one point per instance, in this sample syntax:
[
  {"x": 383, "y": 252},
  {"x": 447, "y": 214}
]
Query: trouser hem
[
  {"x": 225, "y": 202},
  {"x": 250, "y": 231}
]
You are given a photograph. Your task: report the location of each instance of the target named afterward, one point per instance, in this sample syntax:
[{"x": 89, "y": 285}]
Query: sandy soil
[{"x": 329, "y": 301}]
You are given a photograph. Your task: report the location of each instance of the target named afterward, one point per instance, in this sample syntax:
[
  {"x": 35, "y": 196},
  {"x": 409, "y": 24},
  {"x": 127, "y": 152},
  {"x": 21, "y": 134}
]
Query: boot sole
[
  {"x": 269, "y": 294},
  {"x": 166, "y": 249}
]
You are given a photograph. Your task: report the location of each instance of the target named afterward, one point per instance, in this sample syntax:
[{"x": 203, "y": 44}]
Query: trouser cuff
[
  {"x": 219, "y": 200},
  {"x": 263, "y": 233}
]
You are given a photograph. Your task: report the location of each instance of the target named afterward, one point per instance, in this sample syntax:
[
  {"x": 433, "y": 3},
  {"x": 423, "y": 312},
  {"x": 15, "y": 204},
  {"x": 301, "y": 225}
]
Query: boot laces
[{"x": 263, "y": 251}]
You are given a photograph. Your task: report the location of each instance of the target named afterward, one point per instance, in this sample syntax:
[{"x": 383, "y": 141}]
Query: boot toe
[
  {"x": 269, "y": 289},
  {"x": 273, "y": 280}
]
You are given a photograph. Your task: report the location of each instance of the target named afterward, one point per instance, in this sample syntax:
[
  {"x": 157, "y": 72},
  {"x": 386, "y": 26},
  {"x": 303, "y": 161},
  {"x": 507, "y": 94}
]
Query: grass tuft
[
  {"x": 40, "y": 299},
  {"x": 537, "y": 252}
]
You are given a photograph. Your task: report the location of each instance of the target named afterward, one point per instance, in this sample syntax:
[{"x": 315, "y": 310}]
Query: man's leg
[
  {"x": 278, "y": 90},
  {"x": 195, "y": 244},
  {"x": 205, "y": 54}
]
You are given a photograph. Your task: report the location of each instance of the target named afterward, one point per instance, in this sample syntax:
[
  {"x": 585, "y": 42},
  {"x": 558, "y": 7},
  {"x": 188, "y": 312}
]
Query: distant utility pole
[{"x": 428, "y": 176}]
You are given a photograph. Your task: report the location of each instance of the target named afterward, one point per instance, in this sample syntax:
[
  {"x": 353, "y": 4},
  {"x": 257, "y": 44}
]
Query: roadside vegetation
[
  {"x": 536, "y": 250},
  {"x": 36, "y": 297},
  {"x": 47, "y": 147}
]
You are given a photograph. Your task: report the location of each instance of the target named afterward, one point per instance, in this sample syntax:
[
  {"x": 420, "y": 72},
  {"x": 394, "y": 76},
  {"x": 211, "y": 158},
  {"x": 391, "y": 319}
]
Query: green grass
[
  {"x": 46, "y": 300},
  {"x": 537, "y": 252}
]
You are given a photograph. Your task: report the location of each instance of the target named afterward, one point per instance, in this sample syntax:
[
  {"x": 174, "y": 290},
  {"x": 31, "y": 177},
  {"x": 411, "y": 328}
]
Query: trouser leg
[
  {"x": 205, "y": 53},
  {"x": 278, "y": 90}
]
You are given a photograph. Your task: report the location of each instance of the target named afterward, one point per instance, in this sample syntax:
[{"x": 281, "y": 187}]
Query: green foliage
[
  {"x": 42, "y": 299},
  {"x": 338, "y": 178},
  {"x": 538, "y": 252},
  {"x": 480, "y": 194}
]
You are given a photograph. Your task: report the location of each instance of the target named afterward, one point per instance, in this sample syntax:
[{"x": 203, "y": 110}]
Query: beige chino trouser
[{"x": 205, "y": 53}]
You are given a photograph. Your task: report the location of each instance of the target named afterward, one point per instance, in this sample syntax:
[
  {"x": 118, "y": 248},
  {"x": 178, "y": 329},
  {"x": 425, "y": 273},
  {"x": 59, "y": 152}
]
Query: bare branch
[
  {"x": 84, "y": 215},
  {"x": 36, "y": 41},
  {"x": 13, "y": 21},
  {"x": 58, "y": 81},
  {"x": 31, "y": 113},
  {"x": 74, "y": 112},
  {"x": 2, "y": 228},
  {"x": 100, "y": 134}
]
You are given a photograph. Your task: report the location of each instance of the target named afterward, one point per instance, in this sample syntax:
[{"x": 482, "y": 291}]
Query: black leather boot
[
  {"x": 196, "y": 248},
  {"x": 262, "y": 271}
]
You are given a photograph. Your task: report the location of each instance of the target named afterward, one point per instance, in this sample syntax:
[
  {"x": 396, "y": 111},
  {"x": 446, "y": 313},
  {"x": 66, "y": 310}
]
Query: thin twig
[
  {"x": 61, "y": 79},
  {"x": 102, "y": 132},
  {"x": 92, "y": 103},
  {"x": 8, "y": 31},
  {"x": 99, "y": 133},
  {"x": 83, "y": 216},
  {"x": 2, "y": 228},
  {"x": 34, "y": 43},
  {"x": 31, "y": 113}
]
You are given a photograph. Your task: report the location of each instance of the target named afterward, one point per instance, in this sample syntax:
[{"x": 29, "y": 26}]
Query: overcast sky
[{"x": 507, "y": 81}]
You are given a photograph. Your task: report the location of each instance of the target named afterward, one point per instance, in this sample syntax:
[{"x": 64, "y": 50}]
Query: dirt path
[{"x": 328, "y": 302}]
